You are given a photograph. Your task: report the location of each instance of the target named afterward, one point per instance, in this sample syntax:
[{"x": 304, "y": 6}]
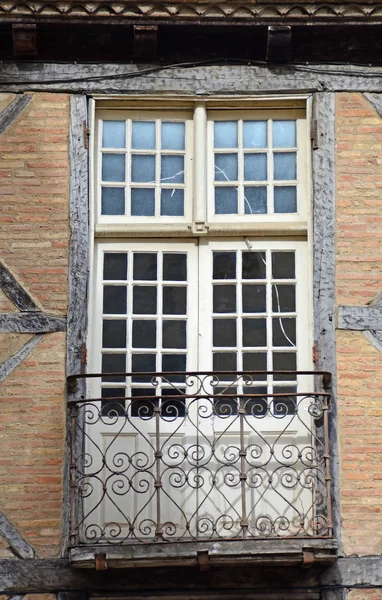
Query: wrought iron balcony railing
[{"x": 199, "y": 456}]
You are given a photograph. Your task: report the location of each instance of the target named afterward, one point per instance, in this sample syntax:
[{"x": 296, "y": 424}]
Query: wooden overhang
[{"x": 203, "y": 555}]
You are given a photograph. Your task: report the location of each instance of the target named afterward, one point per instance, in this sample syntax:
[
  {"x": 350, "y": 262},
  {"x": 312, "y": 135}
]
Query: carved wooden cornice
[{"x": 227, "y": 12}]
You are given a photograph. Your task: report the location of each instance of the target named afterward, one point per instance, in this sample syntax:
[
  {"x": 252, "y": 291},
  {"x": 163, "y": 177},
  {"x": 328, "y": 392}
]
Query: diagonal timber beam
[
  {"x": 376, "y": 101},
  {"x": 13, "y": 361},
  {"x": 13, "y": 110},
  {"x": 14, "y": 290},
  {"x": 364, "y": 318},
  {"x": 31, "y": 322},
  {"x": 20, "y": 547}
]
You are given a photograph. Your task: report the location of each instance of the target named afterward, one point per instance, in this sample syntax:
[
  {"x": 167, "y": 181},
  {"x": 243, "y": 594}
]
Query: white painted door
[{"x": 228, "y": 305}]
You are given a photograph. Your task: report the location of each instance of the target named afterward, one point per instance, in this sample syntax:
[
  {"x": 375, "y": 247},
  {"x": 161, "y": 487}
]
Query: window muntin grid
[
  {"x": 143, "y": 167},
  {"x": 255, "y": 166}
]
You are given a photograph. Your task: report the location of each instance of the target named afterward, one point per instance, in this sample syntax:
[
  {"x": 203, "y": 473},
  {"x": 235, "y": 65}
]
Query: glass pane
[
  {"x": 175, "y": 267},
  {"x": 174, "y": 300},
  {"x": 255, "y": 361},
  {"x": 114, "y": 363},
  {"x": 144, "y": 334},
  {"x": 225, "y": 167},
  {"x": 224, "y": 298},
  {"x": 174, "y": 362},
  {"x": 253, "y": 265},
  {"x": 285, "y": 166},
  {"x": 114, "y": 134},
  {"x": 172, "y": 203},
  {"x": 113, "y": 167},
  {"x": 225, "y": 361},
  {"x": 172, "y": 169},
  {"x": 144, "y": 409},
  {"x": 143, "y": 363},
  {"x": 145, "y": 266},
  {"x": 283, "y": 298},
  {"x": 255, "y": 200},
  {"x": 174, "y": 334},
  {"x": 115, "y": 265},
  {"x": 254, "y": 298},
  {"x": 283, "y": 265},
  {"x": 255, "y": 134},
  {"x": 173, "y": 136},
  {"x": 255, "y": 167},
  {"x": 114, "y": 333},
  {"x": 113, "y": 201},
  {"x": 142, "y": 202},
  {"x": 225, "y": 134},
  {"x": 254, "y": 332},
  {"x": 143, "y": 135},
  {"x": 284, "y": 331},
  {"x": 284, "y": 361},
  {"x": 111, "y": 408},
  {"x": 173, "y": 408},
  {"x": 114, "y": 299},
  {"x": 144, "y": 300},
  {"x": 285, "y": 199},
  {"x": 225, "y": 201},
  {"x": 284, "y": 134},
  {"x": 224, "y": 265},
  {"x": 142, "y": 168},
  {"x": 224, "y": 332}
]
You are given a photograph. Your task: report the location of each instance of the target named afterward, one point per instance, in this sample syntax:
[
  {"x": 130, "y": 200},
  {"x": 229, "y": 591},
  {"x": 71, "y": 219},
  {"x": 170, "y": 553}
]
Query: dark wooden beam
[
  {"x": 8, "y": 283},
  {"x": 8, "y": 365},
  {"x": 19, "y": 546},
  {"x": 279, "y": 44},
  {"x": 24, "y": 39},
  {"x": 145, "y": 41},
  {"x": 31, "y": 322}
]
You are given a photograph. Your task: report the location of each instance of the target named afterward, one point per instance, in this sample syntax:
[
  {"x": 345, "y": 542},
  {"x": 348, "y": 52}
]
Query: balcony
[{"x": 166, "y": 465}]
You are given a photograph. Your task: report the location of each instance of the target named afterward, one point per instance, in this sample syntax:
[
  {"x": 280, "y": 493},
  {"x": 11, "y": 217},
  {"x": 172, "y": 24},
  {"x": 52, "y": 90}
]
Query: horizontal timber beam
[
  {"x": 360, "y": 318},
  {"x": 31, "y": 322},
  {"x": 193, "y": 80},
  {"x": 55, "y": 575}
]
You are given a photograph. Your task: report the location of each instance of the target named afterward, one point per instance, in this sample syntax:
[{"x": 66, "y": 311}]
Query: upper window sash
[{"x": 232, "y": 168}]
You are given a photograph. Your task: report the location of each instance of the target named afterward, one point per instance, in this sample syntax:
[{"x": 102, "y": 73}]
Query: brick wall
[
  {"x": 358, "y": 281},
  {"x": 34, "y": 173}
]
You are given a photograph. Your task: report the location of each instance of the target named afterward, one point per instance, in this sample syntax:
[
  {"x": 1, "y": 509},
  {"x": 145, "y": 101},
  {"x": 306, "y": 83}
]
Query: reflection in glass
[
  {"x": 285, "y": 166},
  {"x": 224, "y": 265},
  {"x": 284, "y": 134},
  {"x": 143, "y": 135},
  {"x": 112, "y": 201},
  {"x": 145, "y": 266},
  {"x": 142, "y": 168},
  {"x": 225, "y": 167},
  {"x": 172, "y": 202},
  {"x": 114, "y": 134},
  {"x": 172, "y": 169},
  {"x": 255, "y": 167},
  {"x": 284, "y": 331},
  {"x": 142, "y": 202},
  {"x": 283, "y": 298},
  {"x": 255, "y": 200},
  {"x": 254, "y": 298},
  {"x": 225, "y": 134},
  {"x": 255, "y": 134},
  {"x": 285, "y": 199},
  {"x": 113, "y": 167},
  {"x": 224, "y": 298},
  {"x": 253, "y": 265},
  {"x": 115, "y": 265},
  {"x": 225, "y": 201},
  {"x": 173, "y": 136}
]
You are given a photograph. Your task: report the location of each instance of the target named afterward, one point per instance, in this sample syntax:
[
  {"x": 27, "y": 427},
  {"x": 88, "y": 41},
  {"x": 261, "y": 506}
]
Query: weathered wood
[
  {"x": 9, "y": 284},
  {"x": 279, "y": 44},
  {"x": 333, "y": 594},
  {"x": 149, "y": 78},
  {"x": 359, "y": 318},
  {"x": 55, "y": 575},
  {"x": 323, "y": 163},
  {"x": 357, "y": 571},
  {"x": 77, "y": 595},
  {"x": 376, "y": 101},
  {"x": 7, "y": 366},
  {"x": 266, "y": 552},
  {"x": 19, "y": 546},
  {"x": 31, "y": 322},
  {"x": 375, "y": 337},
  {"x": 145, "y": 41},
  {"x": 13, "y": 110},
  {"x": 24, "y": 39},
  {"x": 79, "y": 236}
]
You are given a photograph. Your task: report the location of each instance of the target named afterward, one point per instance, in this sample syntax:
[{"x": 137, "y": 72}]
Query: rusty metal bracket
[{"x": 100, "y": 562}]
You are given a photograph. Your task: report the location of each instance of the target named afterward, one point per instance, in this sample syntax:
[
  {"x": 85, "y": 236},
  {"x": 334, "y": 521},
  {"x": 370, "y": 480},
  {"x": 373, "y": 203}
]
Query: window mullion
[{"x": 200, "y": 163}]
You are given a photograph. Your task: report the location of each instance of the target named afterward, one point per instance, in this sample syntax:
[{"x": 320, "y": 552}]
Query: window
[{"x": 201, "y": 265}]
